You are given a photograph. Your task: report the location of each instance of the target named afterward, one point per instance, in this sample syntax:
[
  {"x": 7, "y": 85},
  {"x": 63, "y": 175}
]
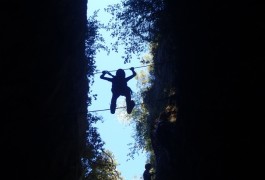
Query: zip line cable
[
  {"x": 109, "y": 109},
  {"x": 123, "y": 69},
  {"x": 98, "y": 71},
  {"x": 125, "y": 106}
]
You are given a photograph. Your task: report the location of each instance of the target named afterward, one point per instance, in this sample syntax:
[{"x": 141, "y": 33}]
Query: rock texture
[
  {"x": 218, "y": 53},
  {"x": 43, "y": 88}
]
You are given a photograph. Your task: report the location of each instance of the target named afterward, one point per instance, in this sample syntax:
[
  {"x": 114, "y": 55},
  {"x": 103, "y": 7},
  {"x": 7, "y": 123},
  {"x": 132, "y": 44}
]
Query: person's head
[
  {"x": 120, "y": 73},
  {"x": 148, "y": 166}
]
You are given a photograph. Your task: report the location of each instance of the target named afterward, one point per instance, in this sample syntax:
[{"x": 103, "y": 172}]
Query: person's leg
[
  {"x": 113, "y": 103},
  {"x": 128, "y": 97},
  {"x": 129, "y": 103}
]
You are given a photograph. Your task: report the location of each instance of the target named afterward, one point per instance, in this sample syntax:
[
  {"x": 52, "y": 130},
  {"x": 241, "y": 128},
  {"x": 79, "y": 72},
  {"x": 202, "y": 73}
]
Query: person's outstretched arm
[
  {"x": 110, "y": 74},
  {"x": 102, "y": 76},
  {"x": 131, "y": 76}
]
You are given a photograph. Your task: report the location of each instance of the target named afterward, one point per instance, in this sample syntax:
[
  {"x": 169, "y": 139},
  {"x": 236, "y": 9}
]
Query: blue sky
[{"x": 115, "y": 133}]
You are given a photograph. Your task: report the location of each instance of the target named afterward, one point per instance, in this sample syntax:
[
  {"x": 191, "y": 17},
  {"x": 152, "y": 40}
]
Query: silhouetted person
[
  {"x": 120, "y": 88},
  {"x": 147, "y": 174}
]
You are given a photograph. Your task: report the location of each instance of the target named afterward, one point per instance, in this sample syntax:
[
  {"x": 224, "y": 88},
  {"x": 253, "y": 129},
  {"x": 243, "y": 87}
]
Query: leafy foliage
[
  {"x": 134, "y": 23},
  {"x": 98, "y": 163},
  {"x": 94, "y": 42},
  {"x": 141, "y": 113}
]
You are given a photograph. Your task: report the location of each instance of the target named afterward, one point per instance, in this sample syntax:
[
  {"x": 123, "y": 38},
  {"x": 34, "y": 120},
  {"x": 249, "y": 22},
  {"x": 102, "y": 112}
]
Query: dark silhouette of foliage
[
  {"x": 98, "y": 163},
  {"x": 94, "y": 42},
  {"x": 134, "y": 23},
  {"x": 140, "y": 114}
]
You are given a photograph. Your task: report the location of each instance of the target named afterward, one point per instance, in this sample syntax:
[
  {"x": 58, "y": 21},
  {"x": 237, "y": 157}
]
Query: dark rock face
[
  {"x": 163, "y": 138},
  {"x": 220, "y": 66},
  {"x": 43, "y": 88},
  {"x": 220, "y": 72}
]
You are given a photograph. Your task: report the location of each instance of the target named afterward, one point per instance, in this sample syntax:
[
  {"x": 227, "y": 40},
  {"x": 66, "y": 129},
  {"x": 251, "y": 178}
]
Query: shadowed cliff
[
  {"x": 43, "y": 88},
  {"x": 218, "y": 54}
]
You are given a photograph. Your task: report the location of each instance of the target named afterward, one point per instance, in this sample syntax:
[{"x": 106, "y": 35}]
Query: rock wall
[
  {"x": 43, "y": 88},
  {"x": 218, "y": 49}
]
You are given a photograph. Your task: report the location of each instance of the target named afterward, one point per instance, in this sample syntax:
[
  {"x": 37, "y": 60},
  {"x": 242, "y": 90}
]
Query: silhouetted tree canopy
[
  {"x": 134, "y": 23},
  {"x": 98, "y": 163}
]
